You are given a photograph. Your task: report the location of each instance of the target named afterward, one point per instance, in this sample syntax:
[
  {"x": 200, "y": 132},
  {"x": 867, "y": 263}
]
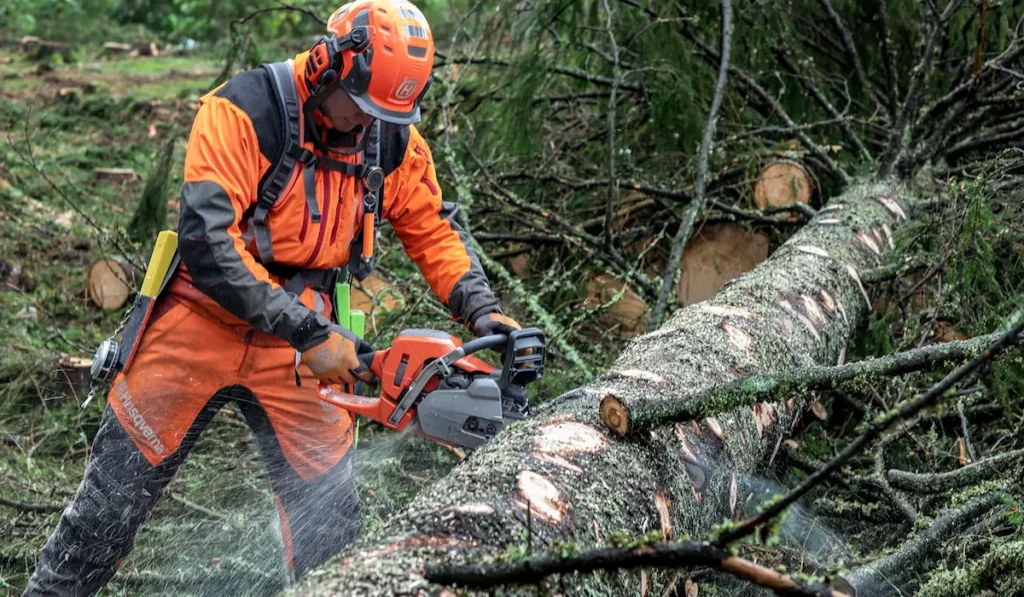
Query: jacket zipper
[
  {"x": 334, "y": 229},
  {"x": 324, "y": 222}
]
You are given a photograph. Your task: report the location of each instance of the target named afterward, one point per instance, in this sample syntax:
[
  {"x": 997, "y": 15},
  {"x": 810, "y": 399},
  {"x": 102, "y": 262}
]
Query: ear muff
[
  {"x": 320, "y": 62},
  {"x": 324, "y": 64}
]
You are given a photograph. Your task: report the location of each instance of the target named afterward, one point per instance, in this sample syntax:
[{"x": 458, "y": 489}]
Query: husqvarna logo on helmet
[{"x": 407, "y": 88}]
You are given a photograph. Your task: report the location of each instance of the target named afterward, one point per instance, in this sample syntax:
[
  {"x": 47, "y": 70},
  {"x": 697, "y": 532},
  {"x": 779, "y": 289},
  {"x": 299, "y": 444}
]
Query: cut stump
[{"x": 74, "y": 376}]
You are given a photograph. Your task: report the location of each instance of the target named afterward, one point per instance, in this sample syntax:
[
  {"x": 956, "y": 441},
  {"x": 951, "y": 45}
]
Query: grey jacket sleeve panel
[
  {"x": 221, "y": 272},
  {"x": 471, "y": 296}
]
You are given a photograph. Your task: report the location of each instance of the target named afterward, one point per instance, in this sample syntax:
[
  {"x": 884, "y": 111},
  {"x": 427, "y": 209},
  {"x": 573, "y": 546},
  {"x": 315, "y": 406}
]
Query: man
[{"x": 274, "y": 197}]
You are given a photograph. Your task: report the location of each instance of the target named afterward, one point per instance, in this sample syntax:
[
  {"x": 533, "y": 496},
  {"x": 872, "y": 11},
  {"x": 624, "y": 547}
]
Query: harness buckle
[{"x": 374, "y": 179}]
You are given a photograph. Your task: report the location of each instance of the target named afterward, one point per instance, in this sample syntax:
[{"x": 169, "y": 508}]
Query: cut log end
[
  {"x": 783, "y": 183},
  {"x": 111, "y": 281},
  {"x": 615, "y": 414},
  {"x": 622, "y": 308},
  {"x": 717, "y": 255}
]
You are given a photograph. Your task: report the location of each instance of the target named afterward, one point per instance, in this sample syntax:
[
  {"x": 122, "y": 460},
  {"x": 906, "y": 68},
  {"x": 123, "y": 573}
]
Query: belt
[{"x": 320, "y": 280}]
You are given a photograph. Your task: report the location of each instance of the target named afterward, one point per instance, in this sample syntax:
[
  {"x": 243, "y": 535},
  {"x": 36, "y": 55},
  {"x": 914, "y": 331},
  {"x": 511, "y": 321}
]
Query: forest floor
[{"x": 213, "y": 532}]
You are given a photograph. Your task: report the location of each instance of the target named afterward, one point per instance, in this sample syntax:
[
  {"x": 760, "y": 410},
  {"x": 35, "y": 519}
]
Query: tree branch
[
  {"x": 904, "y": 566},
  {"x": 609, "y": 254},
  {"x": 891, "y": 87},
  {"x": 612, "y": 188},
  {"x": 768, "y": 100},
  {"x": 281, "y": 6},
  {"x": 690, "y": 554},
  {"x": 922, "y": 72},
  {"x": 568, "y": 72},
  {"x": 628, "y": 419},
  {"x": 697, "y": 205},
  {"x": 27, "y": 507},
  {"x": 881, "y": 423},
  {"x": 819, "y": 97},
  {"x": 848, "y": 47},
  {"x": 959, "y": 479}
]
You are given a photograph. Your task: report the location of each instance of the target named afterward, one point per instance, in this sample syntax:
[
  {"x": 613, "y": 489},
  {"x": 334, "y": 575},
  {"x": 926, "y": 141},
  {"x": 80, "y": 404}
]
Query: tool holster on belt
[{"x": 114, "y": 355}]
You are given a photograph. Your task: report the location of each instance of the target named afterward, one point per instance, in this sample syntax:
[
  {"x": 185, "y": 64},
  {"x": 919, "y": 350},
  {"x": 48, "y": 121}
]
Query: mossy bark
[{"x": 583, "y": 483}]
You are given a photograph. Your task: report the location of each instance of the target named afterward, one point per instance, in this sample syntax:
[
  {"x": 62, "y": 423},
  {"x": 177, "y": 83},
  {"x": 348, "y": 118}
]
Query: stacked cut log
[
  {"x": 622, "y": 309},
  {"x": 577, "y": 481},
  {"x": 375, "y": 294}
]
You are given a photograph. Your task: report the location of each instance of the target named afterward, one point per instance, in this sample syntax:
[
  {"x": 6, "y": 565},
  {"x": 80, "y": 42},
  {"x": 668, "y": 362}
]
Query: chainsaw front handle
[{"x": 483, "y": 343}]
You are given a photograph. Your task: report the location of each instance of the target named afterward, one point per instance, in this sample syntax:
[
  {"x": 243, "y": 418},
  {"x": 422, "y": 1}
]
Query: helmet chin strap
[{"x": 317, "y": 99}]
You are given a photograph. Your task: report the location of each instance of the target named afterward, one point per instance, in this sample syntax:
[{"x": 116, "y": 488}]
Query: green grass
[
  {"x": 132, "y": 67},
  {"x": 175, "y": 89}
]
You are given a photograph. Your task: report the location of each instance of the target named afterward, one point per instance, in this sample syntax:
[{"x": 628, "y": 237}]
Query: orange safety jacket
[{"x": 235, "y": 139}]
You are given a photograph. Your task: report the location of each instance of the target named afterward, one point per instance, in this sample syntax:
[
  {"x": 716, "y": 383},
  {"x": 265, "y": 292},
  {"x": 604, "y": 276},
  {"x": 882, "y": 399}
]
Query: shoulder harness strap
[
  {"x": 361, "y": 252},
  {"x": 282, "y": 170}
]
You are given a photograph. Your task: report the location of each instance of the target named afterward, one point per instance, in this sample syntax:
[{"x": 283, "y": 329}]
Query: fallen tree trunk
[{"x": 576, "y": 482}]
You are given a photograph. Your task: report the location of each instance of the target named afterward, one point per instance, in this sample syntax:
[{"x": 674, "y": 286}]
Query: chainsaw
[{"x": 433, "y": 382}]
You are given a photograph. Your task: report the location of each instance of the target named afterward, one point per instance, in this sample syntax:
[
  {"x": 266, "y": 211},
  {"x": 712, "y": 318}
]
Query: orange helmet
[{"x": 381, "y": 52}]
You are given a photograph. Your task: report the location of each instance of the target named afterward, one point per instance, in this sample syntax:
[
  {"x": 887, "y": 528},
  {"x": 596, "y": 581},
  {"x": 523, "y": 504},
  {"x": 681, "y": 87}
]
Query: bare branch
[
  {"x": 891, "y": 87},
  {"x": 607, "y": 253},
  {"x": 922, "y": 73},
  {"x": 690, "y": 216},
  {"x": 748, "y": 82},
  {"x": 574, "y": 73},
  {"x": 27, "y": 507},
  {"x": 282, "y": 6},
  {"x": 848, "y": 47},
  {"x": 822, "y": 101},
  {"x": 612, "y": 188},
  {"x": 691, "y": 554}
]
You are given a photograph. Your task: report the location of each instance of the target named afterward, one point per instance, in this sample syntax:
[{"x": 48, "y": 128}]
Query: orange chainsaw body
[{"x": 396, "y": 368}]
